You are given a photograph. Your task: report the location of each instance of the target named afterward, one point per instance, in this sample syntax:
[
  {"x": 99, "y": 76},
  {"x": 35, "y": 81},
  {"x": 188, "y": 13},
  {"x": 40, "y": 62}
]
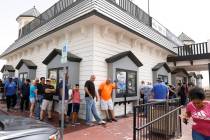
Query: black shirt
[
  {"x": 48, "y": 96},
  {"x": 25, "y": 90},
  {"x": 91, "y": 88},
  {"x": 40, "y": 89}
]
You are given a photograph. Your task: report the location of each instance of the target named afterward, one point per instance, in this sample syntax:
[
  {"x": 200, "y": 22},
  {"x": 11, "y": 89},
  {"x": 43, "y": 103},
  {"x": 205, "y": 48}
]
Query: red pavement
[{"x": 121, "y": 130}]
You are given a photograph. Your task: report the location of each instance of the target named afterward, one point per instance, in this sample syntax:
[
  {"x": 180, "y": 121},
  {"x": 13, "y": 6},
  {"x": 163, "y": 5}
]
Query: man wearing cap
[
  {"x": 160, "y": 90},
  {"x": 47, "y": 102}
]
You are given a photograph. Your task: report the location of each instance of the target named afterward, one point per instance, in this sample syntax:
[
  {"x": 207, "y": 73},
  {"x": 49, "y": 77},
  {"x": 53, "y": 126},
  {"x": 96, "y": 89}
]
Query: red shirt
[
  {"x": 75, "y": 96},
  {"x": 201, "y": 118}
]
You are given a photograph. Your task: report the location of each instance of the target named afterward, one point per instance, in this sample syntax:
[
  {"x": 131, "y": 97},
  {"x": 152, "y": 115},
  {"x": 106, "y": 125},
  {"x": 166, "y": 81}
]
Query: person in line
[
  {"x": 24, "y": 95},
  {"x": 1, "y": 91},
  {"x": 33, "y": 96},
  {"x": 90, "y": 95},
  {"x": 105, "y": 93},
  {"x": 75, "y": 97},
  {"x": 141, "y": 90},
  {"x": 66, "y": 99},
  {"x": 10, "y": 89},
  {"x": 199, "y": 110},
  {"x": 160, "y": 91},
  {"x": 40, "y": 96},
  {"x": 183, "y": 92},
  {"x": 47, "y": 102}
]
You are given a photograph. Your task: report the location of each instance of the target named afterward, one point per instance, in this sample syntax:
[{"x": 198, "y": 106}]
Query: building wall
[{"x": 93, "y": 43}]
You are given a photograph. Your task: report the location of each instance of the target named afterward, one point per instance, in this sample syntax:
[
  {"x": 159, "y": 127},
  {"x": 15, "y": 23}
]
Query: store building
[{"x": 104, "y": 38}]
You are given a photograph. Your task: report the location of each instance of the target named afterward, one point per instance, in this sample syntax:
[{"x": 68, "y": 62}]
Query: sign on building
[{"x": 64, "y": 53}]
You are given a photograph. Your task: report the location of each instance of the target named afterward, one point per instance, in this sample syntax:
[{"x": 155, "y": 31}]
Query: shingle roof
[
  {"x": 191, "y": 74},
  {"x": 28, "y": 63},
  {"x": 9, "y": 68},
  {"x": 33, "y": 12},
  {"x": 184, "y": 37},
  {"x": 124, "y": 54},
  {"x": 159, "y": 65},
  {"x": 70, "y": 57},
  {"x": 177, "y": 70},
  {"x": 199, "y": 76}
]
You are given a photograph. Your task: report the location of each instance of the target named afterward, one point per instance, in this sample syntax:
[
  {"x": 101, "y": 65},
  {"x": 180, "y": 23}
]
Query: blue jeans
[
  {"x": 91, "y": 108},
  {"x": 198, "y": 136},
  {"x": 38, "y": 106}
]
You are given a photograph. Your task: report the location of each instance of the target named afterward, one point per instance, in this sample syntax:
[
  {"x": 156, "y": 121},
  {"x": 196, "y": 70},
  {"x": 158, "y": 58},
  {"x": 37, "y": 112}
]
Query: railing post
[{"x": 134, "y": 123}]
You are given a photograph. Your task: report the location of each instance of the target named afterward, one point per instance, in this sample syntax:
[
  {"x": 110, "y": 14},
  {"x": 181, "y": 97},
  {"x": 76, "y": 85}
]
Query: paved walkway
[{"x": 121, "y": 130}]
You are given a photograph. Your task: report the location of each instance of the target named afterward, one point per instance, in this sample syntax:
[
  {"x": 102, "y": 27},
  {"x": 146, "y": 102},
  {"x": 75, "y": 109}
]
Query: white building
[{"x": 105, "y": 38}]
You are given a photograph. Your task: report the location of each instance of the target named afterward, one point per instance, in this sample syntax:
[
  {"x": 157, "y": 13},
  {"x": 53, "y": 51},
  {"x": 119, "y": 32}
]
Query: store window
[
  {"x": 55, "y": 74},
  {"x": 23, "y": 76},
  {"x": 164, "y": 78},
  {"x": 126, "y": 83}
]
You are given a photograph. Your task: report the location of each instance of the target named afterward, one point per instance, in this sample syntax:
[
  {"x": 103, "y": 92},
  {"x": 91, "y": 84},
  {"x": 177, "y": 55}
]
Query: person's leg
[
  {"x": 69, "y": 111},
  {"x": 111, "y": 109},
  {"x": 14, "y": 100},
  {"x": 49, "y": 109},
  {"x": 8, "y": 99},
  {"x": 21, "y": 103},
  {"x": 32, "y": 107},
  {"x": 197, "y": 136},
  {"x": 89, "y": 103},
  {"x": 43, "y": 109},
  {"x": 26, "y": 103},
  {"x": 104, "y": 108},
  {"x": 94, "y": 112}
]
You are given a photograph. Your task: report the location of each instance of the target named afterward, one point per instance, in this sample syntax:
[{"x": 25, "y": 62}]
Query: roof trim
[
  {"x": 70, "y": 57},
  {"x": 177, "y": 70},
  {"x": 28, "y": 63},
  {"x": 119, "y": 56},
  {"x": 188, "y": 57},
  {"x": 159, "y": 65},
  {"x": 9, "y": 68}
]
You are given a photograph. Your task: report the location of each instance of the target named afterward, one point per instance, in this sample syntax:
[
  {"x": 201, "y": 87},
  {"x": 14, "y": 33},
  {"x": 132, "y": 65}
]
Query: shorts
[
  {"x": 65, "y": 107},
  {"x": 46, "y": 104},
  {"x": 32, "y": 100},
  {"x": 76, "y": 107},
  {"x": 105, "y": 105}
]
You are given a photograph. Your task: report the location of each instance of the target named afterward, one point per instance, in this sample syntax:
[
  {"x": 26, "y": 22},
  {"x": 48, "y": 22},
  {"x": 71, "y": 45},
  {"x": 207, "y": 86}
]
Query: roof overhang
[
  {"x": 178, "y": 70},
  {"x": 28, "y": 63},
  {"x": 8, "y": 68},
  {"x": 122, "y": 55},
  {"x": 70, "y": 57},
  {"x": 159, "y": 65}
]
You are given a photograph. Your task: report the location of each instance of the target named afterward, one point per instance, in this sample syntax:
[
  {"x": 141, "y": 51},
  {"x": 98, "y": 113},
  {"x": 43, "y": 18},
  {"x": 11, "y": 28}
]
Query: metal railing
[
  {"x": 193, "y": 49},
  {"x": 46, "y": 16},
  {"x": 157, "y": 121}
]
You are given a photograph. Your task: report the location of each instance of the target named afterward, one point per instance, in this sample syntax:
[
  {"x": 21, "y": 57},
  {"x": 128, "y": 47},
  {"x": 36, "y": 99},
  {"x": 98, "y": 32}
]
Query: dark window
[
  {"x": 127, "y": 83},
  {"x": 55, "y": 74},
  {"x": 164, "y": 78},
  {"x": 23, "y": 76}
]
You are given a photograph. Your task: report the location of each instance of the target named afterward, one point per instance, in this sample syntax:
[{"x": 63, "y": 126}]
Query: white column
[{"x": 208, "y": 45}]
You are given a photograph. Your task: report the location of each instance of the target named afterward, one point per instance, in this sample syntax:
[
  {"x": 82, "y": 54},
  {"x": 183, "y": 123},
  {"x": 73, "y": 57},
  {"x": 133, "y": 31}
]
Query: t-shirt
[
  {"x": 91, "y": 88},
  {"x": 201, "y": 117},
  {"x": 75, "y": 96},
  {"x": 48, "y": 96},
  {"x": 10, "y": 88},
  {"x": 40, "y": 88},
  {"x": 106, "y": 90},
  {"x": 60, "y": 86},
  {"x": 160, "y": 91},
  {"x": 32, "y": 91},
  {"x": 25, "y": 90},
  {"x": 147, "y": 91}
]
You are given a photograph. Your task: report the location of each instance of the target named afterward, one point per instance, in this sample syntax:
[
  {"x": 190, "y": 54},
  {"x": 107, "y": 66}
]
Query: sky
[{"x": 188, "y": 16}]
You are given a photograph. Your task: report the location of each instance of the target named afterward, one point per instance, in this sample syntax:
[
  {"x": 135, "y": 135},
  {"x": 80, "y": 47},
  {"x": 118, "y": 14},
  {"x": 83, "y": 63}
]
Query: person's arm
[{"x": 87, "y": 91}]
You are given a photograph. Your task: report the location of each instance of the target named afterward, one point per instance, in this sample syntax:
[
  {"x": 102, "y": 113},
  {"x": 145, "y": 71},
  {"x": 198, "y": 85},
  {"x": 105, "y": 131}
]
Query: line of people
[{"x": 37, "y": 97}]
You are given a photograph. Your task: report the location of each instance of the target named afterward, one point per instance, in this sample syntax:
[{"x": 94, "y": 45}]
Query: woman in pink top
[
  {"x": 75, "y": 97},
  {"x": 199, "y": 110}
]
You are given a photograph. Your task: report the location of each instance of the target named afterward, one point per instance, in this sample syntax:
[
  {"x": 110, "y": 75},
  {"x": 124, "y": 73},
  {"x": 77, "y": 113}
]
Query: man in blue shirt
[
  {"x": 10, "y": 90},
  {"x": 160, "y": 90}
]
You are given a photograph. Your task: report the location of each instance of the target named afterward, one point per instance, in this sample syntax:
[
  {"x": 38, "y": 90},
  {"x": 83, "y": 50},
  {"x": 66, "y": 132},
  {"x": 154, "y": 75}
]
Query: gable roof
[
  {"x": 191, "y": 74},
  {"x": 33, "y": 12},
  {"x": 119, "y": 56},
  {"x": 9, "y": 68},
  {"x": 184, "y": 37},
  {"x": 28, "y": 63},
  {"x": 199, "y": 76},
  {"x": 159, "y": 65},
  {"x": 55, "y": 52},
  {"x": 177, "y": 70}
]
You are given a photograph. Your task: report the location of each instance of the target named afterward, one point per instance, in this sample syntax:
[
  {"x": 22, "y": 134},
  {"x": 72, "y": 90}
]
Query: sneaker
[
  {"x": 73, "y": 124},
  {"x": 113, "y": 119},
  {"x": 77, "y": 123},
  {"x": 90, "y": 124},
  {"x": 101, "y": 122},
  {"x": 108, "y": 120}
]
